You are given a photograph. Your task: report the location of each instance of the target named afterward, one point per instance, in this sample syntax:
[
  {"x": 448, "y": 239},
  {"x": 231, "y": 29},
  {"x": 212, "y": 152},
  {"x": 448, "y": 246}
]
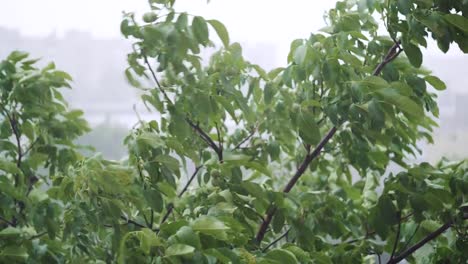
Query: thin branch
[
  {"x": 276, "y": 240},
  {"x": 246, "y": 139},
  {"x": 7, "y": 221},
  {"x": 308, "y": 159},
  {"x": 30, "y": 146},
  {"x": 411, "y": 238},
  {"x": 397, "y": 238},
  {"x": 206, "y": 138},
  {"x": 197, "y": 128},
  {"x": 421, "y": 243},
  {"x": 37, "y": 236},
  {"x": 380, "y": 260},
  {"x": 197, "y": 169},
  {"x": 129, "y": 221},
  {"x": 220, "y": 140},
  {"x": 156, "y": 80},
  {"x": 394, "y": 51},
  {"x": 170, "y": 208}
]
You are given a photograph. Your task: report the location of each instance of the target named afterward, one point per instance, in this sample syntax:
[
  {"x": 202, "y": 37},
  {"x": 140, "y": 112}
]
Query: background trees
[{"x": 242, "y": 165}]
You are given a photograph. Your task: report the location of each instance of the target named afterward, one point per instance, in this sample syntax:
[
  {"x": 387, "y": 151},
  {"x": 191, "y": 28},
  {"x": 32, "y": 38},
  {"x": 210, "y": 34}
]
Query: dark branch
[
  {"x": 411, "y": 238},
  {"x": 129, "y": 221},
  {"x": 206, "y": 138},
  {"x": 397, "y": 237},
  {"x": 7, "y": 221},
  {"x": 30, "y": 146},
  {"x": 160, "y": 88},
  {"x": 276, "y": 240},
  {"x": 170, "y": 208},
  {"x": 421, "y": 243},
  {"x": 394, "y": 51},
  {"x": 37, "y": 236},
  {"x": 197, "y": 128},
  {"x": 220, "y": 140},
  {"x": 246, "y": 139}
]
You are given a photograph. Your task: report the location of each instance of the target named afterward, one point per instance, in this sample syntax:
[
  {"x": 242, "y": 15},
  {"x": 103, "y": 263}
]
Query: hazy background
[{"x": 82, "y": 37}]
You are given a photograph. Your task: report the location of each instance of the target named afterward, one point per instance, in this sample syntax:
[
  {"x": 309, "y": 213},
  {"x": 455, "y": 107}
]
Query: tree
[{"x": 241, "y": 165}]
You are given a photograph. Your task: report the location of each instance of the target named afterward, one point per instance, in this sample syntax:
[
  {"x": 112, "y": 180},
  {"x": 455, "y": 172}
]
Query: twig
[
  {"x": 129, "y": 221},
  {"x": 7, "y": 221},
  {"x": 421, "y": 243},
  {"x": 391, "y": 55},
  {"x": 37, "y": 236},
  {"x": 397, "y": 237},
  {"x": 411, "y": 238},
  {"x": 31, "y": 146},
  {"x": 220, "y": 140},
  {"x": 156, "y": 80},
  {"x": 197, "y": 128},
  {"x": 246, "y": 139},
  {"x": 170, "y": 208},
  {"x": 276, "y": 240},
  {"x": 206, "y": 138}
]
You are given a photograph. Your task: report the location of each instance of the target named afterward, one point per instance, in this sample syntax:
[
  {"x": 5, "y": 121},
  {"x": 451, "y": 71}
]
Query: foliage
[{"x": 286, "y": 164}]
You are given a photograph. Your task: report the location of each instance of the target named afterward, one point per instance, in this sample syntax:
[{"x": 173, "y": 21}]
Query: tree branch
[
  {"x": 206, "y": 138},
  {"x": 397, "y": 237},
  {"x": 129, "y": 221},
  {"x": 170, "y": 208},
  {"x": 160, "y": 88},
  {"x": 197, "y": 128},
  {"x": 421, "y": 243},
  {"x": 246, "y": 139},
  {"x": 276, "y": 240},
  {"x": 7, "y": 221},
  {"x": 394, "y": 51}
]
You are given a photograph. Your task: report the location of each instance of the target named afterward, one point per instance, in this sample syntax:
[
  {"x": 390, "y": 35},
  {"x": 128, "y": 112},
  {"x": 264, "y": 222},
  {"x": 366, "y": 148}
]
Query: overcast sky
[{"x": 268, "y": 21}]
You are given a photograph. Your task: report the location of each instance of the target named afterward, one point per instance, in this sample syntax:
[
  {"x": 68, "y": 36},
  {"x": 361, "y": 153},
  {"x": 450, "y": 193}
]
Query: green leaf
[
  {"x": 16, "y": 56},
  {"x": 308, "y": 129},
  {"x": 404, "y": 103},
  {"x": 211, "y": 226},
  {"x": 14, "y": 253},
  {"x": 171, "y": 162},
  {"x": 179, "y": 250},
  {"x": 281, "y": 256},
  {"x": 387, "y": 210},
  {"x": 376, "y": 114},
  {"x": 200, "y": 29},
  {"x": 404, "y": 6},
  {"x": 154, "y": 199},
  {"x": 221, "y": 31},
  {"x": 186, "y": 236},
  {"x": 150, "y": 17},
  {"x": 458, "y": 21},
  {"x": 300, "y": 54},
  {"x": 373, "y": 82},
  {"x": 437, "y": 83},
  {"x": 413, "y": 53}
]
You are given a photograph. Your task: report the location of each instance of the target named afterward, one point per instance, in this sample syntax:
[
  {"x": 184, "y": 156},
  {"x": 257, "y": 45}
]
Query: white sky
[
  {"x": 261, "y": 20},
  {"x": 272, "y": 22}
]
